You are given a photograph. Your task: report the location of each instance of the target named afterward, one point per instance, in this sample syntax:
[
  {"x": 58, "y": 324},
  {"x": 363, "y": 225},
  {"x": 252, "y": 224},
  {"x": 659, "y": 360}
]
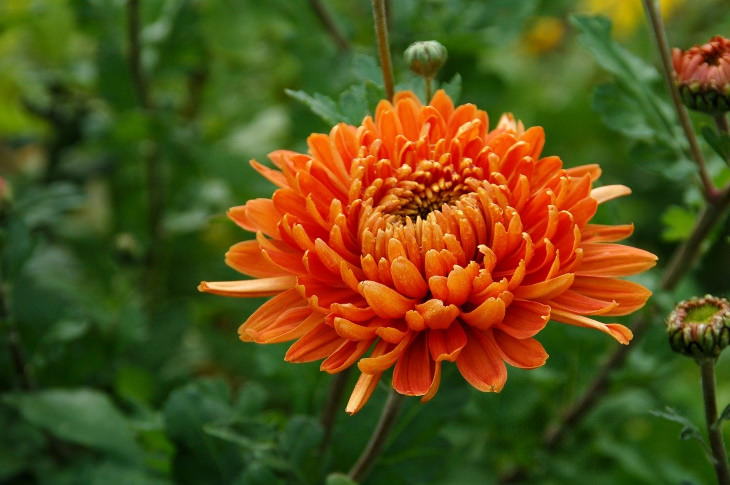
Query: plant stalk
[
  {"x": 380, "y": 18},
  {"x": 372, "y": 450},
  {"x": 657, "y": 27},
  {"x": 429, "y": 88},
  {"x": 722, "y": 124},
  {"x": 707, "y": 369},
  {"x": 334, "y": 399},
  {"x": 325, "y": 18}
]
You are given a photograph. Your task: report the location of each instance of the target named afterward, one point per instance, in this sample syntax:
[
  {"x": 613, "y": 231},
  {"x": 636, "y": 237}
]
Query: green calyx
[
  {"x": 700, "y": 327},
  {"x": 706, "y": 99},
  {"x": 425, "y": 58}
]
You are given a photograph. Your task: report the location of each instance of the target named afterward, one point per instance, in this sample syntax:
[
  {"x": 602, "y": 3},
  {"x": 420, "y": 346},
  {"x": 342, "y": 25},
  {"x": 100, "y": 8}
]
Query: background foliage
[{"x": 134, "y": 377}]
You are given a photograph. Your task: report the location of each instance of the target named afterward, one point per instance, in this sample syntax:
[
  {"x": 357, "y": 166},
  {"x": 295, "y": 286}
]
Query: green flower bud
[
  {"x": 425, "y": 58},
  {"x": 700, "y": 327}
]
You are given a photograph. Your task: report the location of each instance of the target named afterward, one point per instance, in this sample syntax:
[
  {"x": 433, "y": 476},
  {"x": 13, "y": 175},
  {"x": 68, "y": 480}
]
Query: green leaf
[
  {"x": 724, "y": 416},
  {"x": 321, "y": 105},
  {"x": 619, "y": 112},
  {"x": 82, "y": 416},
  {"x": 300, "y": 438},
  {"x": 595, "y": 35},
  {"x": 339, "y": 479},
  {"x": 453, "y": 87},
  {"x": 688, "y": 431},
  {"x": 720, "y": 142},
  {"x": 678, "y": 223}
]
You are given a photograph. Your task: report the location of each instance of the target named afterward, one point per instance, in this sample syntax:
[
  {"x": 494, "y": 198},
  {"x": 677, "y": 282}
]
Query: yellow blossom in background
[
  {"x": 544, "y": 35},
  {"x": 626, "y": 14}
]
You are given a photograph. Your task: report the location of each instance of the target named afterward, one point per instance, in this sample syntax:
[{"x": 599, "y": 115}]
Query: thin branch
[
  {"x": 135, "y": 54},
  {"x": 381, "y": 33},
  {"x": 325, "y": 18},
  {"x": 334, "y": 399},
  {"x": 707, "y": 369},
  {"x": 657, "y": 25},
  {"x": 372, "y": 451},
  {"x": 722, "y": 124}
]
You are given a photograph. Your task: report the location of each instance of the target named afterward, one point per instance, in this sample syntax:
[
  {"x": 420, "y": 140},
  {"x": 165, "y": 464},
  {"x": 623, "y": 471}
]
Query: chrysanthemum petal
[
  {"x": 619, "y": 332},
  {"x": 545, "y": 289},
  {"x": 407, "y": 279},
  {"x": 364, "y": 388},
  {"x": 523, "y": 353},
  {"x": 603, "y": 233},
  {"x": 414, "y": 370},
  {"x": 249, "y": 288},
  {"x": 488, "y": 313},
  {"x": 609, "y": 192},
  {"x": 480, "y": 362},
  {"x": 605, "y": 259},
  {"x": 630, "y": 296},
  {"x": 524, "y": 319},
  {"x": 316, "y": 344},
  {"x": 267, "y": 314},
  {"x": 379, "y": 363},
  {"x": 247, "y": 258},
  {"x": 385, "y": 302}
]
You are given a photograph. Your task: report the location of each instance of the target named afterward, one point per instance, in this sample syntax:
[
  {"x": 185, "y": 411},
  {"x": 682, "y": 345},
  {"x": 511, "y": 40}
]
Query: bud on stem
[
  {"x": 700, "y": 327},
  {"x": 425, "y": 58}
]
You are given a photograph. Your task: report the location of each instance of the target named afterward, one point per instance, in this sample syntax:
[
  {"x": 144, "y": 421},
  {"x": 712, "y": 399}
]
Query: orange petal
[
  {"x": 609, "y": 192},
  {"x": 385, "y": 302},
  {"x": 436, "y": 315},
  {"x": 593, "y": 169},
  {"x": 407, "y": 279},
  {"x": 364, "y": 388},
  {"x": 545, "y": 289},
  {"x": 523, "y": 353},
  {"x": 630, "y": 296},
  {"x": 246, "y": 258},
  {"x": 344, "y": 356},
  {"x": 459, "y": 284},
  {"x": 490, "y": 312},
  {"x": 603, "y": 233},
  {"x": 524, "y": 319},
  {"x": 447, "y": 344},
  {"x": 378, "y": 363},
  {"x": 267, "y": 313},
  {"x": 257, "y": 215},
  {"x": 621, "y": 333},
  {"x": 352, "y": 331},
  {"x": 274, "y": 176},
  {"x": 316, "y": 344},
  {"x": 480, "y": 362},
  {"x": 414, "y": 370},
  {"x": 605, "y": 259},
  {"x": 288, "y": 320},
  {"x": 249, "y": 288},
  {"x": 575, "y": 302}
]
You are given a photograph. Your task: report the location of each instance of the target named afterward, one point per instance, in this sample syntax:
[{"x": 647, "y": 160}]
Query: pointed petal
[
  {"x": 605, "y": 259},
  {"x": 364, "y": 388},
  {"x": 545, "y": 289},
  {"x": 345, "y": 355},
  {"x": 385, "y": 302},
  {"x": 378, "y": 362},
  {"x": 407, "y": 279},
  {"x": 414, "y": 370},
  {"x": 524, "y": 319},
  {"x": 316, "y": 344},
  {"x": 447, "y": 344},
  {"x": 490, "y": 312},
  {"x": 246, "y": 258},
  {"x": 609, "y": 192},
  {"x": 630, "y": 296},
  {"x": 621, "y": 333},
  {"x": 249, "y": 288},
  {"x": 523, "y": 353},
  {"x": 268, "y": 313},
  {"x": 480, "y": 362}
]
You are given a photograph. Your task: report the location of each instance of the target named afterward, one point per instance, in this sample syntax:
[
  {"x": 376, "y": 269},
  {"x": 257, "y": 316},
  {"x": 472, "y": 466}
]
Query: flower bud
[
  {"x": 700, "y": 327},
  {"x": 702, "y": 75},
  {"x": 425, "y": 58}
]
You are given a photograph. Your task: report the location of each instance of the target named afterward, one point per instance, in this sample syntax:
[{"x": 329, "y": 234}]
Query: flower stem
[
  {"x": 657, "y": 27},
  {"x": 722, "y": 124},
  {"x": 151, "y": 155},
  {"x": 337, "y": 389},
  {"x": 429, "y": 88},
  {"x": 371, "y": 452},
  {"x": 381, "y": 32},
  {"x": 325, "y": 18},
  {"x": 719, "y": 454}
]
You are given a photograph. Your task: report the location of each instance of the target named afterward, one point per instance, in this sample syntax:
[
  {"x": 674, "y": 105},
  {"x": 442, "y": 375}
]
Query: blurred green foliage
[{"x": 131, "y": 376}]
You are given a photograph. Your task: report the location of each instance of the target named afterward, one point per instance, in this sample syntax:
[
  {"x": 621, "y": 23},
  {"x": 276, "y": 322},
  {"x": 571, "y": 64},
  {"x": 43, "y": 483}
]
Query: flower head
[
  {"x": 700, "y": 327},
  {"x": 702, "y": 74},
  {"x": 422, "y": 236}
]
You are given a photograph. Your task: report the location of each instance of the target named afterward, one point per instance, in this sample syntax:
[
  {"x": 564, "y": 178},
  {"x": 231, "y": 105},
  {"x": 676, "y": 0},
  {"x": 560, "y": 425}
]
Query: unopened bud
[
  {"x": 425, "y": 58},
  {"x": 700, "y": 327},
  {"x": 702, "y": 75}
]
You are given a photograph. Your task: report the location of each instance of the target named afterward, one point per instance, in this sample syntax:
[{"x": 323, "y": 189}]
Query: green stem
[
  {"x": 381, "y": 33},
  {"x": 722, "y": 124},
  {"x": 325, "y": 18},
  {"x": 337, "y": 389},
  {"x": 372, "y": 451},
  {"x": 719, "y": 454},
  {"x": 429, "y": 88},
  {"x": 657, "y": 25}
]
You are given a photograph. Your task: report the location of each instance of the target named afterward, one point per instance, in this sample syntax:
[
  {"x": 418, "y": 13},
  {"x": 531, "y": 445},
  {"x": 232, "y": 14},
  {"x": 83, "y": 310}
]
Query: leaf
[
  {"x": 620, "y": 113},
  {"x": 82, "y": 416},
  {"x": 724, "y": 416},
  {"x": 720, "y": 142},
  {"x": 300, "y": 438},
  {"x": 688, "y": 431},
  {"x": 339, "y": 479},
  {"x": 453, "y": 87},
  {"x": 595, "y": 35},
  {"x": 678, "y": 223},
  {"x": 321, "y": 105}
]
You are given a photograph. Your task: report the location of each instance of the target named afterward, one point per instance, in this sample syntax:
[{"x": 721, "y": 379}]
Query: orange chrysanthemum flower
[
  {"x": 420, "y": 237},
  {"x": 702, "y": 74}
]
